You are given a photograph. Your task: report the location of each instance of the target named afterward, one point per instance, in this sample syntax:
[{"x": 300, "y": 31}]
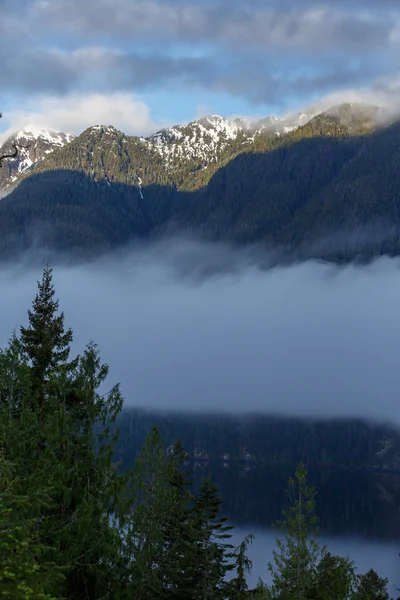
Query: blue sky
[{"x": 144, "y": 64}]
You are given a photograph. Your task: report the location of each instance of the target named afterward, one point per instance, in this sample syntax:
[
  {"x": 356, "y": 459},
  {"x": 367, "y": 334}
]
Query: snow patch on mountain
[
  {"x": 105, "y": 129},
  {"x": 205, "y": 140},
  {"x": 55, "y": 139},
  {"x": 33, "y": 145}
]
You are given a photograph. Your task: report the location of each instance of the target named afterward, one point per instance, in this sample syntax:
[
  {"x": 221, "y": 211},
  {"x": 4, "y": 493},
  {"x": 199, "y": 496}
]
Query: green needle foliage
[
  {"x": 297, "y": 556},
  {"x": 24, "y": 571},
  {"x": 302, "y": 567}
]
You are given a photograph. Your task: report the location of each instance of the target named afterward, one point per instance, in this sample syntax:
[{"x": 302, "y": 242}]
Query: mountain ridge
[
  {"x": 183, "y": 149},
  {"x": 329, "y": 189}
]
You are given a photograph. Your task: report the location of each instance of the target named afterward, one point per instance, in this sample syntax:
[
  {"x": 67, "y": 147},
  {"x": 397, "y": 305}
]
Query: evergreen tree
[
  {"x": 238, "y": 588},
  {"x": 74, "y": 453},
  {"x": 23, "y": 576},
  {"x": 89, "y": 491},
  {"x": 370, "y": 587},
  {"x": 146, "y": 530},
  {"x": 304, "y": 568},
  {"x": 213, "y": 551},
  {"x": 14, "y": 377},
  {"x": 175, "y": 543},
  {"x": 297, "y": 556},
  {"x": 45, "y": 341},
  {"x": 180, "y": 555},
  {"x": 334, "y": 578},
  {"x": 261, "y": 591},
  {"x": 25, "y": 573}
]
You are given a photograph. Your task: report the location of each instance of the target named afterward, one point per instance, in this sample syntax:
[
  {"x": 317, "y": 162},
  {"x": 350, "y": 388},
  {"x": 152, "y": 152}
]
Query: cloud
[
  {"x": 258, "y": 53},
  {"x": 76, "y": 112},
  {"x": 194, "y": 327},
  {"x": 95, "y": 68},
  {"x": 317, "y": 24},
  {"x": 385, "y": 93}
]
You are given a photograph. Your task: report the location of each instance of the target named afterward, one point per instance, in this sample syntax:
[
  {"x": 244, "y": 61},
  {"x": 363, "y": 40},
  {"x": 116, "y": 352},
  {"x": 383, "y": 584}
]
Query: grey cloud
[
  {"x": 316, "y": 25},
  {"x": 140, "y": 72},
  {"x": 248, "y": 51},
  {"x": 306, "y": 30},
  {"x": 49, "y": 71},
  {"x": 40, "y": 71},
  {"x": 100, "y": 69},
  {"x": 331, "y": 78},
  {"x": 259, "y": 81},
  {"x": 188, "y": 326}
]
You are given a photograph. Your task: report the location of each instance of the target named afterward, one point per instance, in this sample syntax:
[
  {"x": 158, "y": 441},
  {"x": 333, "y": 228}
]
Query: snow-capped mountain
[
  {"x": 202, "y": 140},
  {"x": 182, "y": 151},
  {"x": 275, "y": 125},
  {"x": 206, "y": 139},
  {"x": 33, "y": 145}
]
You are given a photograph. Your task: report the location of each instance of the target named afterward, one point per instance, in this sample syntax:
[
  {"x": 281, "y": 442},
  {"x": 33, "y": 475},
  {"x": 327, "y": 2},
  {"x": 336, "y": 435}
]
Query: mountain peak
[
  {"x": 32, "y": 133},
  {"x": 107, "y": 129},
  {"x": 33, "y": 145}
]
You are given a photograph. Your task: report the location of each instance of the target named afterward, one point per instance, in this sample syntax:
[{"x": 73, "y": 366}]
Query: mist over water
[{"x": 191, "y": 326}]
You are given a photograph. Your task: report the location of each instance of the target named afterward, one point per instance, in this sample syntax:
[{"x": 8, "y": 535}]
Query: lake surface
[{"x": 359, "y": 513}]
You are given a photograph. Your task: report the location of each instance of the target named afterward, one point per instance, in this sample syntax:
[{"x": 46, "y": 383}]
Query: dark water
[{"x": 359, "y": 513}]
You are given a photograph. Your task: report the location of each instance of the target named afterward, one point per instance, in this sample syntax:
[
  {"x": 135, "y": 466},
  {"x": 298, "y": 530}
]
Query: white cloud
[
  {"x": 75, "y": 112},
  {"x": 384, "y": 93}
]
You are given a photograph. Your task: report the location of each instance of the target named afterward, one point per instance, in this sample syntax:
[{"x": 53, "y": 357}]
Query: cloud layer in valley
[{"x": 193, "y": 327}]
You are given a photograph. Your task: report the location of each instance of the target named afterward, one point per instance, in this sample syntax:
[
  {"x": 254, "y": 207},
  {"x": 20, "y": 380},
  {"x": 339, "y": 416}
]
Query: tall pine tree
[
  {"x": 76, "y": 453},
  {"x": 45, "y": 341},
  {"x": 297, "y": 556},
  {"x": 211, "y": 540},
  {"x": 238, "y": 587}
]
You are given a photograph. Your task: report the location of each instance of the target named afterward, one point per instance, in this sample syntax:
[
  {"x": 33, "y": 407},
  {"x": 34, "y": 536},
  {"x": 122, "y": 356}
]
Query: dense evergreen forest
[
  {"x": 327, "y": 190},
  {"x": 74, "y": 527},
  {"x": 263, "y": 439}
]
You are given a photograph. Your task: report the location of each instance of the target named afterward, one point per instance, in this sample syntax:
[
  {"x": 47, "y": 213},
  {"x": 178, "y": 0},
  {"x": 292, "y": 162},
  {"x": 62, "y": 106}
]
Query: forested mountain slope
[
  {"x": 328, "y": 189},
  {"x": 264, "y": 439}
]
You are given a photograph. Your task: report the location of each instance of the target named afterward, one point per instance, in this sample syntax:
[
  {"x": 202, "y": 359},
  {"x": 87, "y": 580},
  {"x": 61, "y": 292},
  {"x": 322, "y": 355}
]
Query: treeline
[
  {"x": 351, "y": 503},
  {"x": 264, "y": 439},
  {"x": 72, "y": 527}
]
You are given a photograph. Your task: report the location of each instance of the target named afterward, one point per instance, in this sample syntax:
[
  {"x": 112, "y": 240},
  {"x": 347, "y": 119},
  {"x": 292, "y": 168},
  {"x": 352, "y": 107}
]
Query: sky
[
  {"x": 193, "y": 327},
  {"x": 144, "y": 64}
]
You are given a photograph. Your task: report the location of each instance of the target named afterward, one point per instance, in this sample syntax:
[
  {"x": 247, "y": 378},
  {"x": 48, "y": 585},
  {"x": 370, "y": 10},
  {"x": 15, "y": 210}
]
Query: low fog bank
[{"x": 189, "y": 326}]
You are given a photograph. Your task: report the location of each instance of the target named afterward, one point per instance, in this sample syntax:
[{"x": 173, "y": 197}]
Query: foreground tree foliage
[
  {"x": 72, "y": 527},
  {"x": 303, "y": 568}
]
